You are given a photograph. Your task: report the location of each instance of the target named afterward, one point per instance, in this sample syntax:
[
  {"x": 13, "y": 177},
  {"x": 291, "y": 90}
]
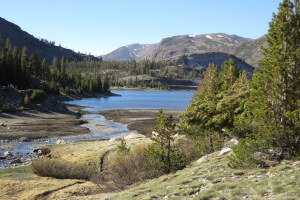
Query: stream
[{"x": 20, "y": 153}]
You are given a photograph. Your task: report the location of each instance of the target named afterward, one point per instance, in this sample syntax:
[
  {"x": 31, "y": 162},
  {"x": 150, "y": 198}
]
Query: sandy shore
[{"x": 140, "y": 120}]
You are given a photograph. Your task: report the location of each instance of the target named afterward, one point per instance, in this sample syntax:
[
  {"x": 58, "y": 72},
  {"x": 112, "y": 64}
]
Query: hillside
[
  {"x": 203, "y": 59},
  {"x": 46, "y": 49},
  {"x": 207, "y": 178}
]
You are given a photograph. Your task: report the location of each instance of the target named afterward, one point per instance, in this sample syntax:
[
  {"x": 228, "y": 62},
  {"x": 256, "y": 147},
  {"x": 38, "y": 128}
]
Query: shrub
[
  {"x": 38, "y": 95},
  {"x": 188, "y": 148},
  {"x": 62, "y": 170},
  {"x": 124, "y": 170},
  {"x": 123, "y": 149},
  {"x": 244, "y": 154}
]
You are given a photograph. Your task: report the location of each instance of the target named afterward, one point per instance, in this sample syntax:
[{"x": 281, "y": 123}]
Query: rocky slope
[
  {"x": 184, "y": 44},
  {"x": 46, "y": 49}
]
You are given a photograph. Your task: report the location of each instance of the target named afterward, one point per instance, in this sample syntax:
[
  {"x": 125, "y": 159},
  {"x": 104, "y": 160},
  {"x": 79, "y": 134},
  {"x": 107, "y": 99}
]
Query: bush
[
  {"x": 244, "y": 154},
  {"x": 158, "y": 163},
  {"x": 62, "y": 170},
  {"x": 123, "y": 149},
  {"x": 124, "y": 170},
  {"x": 38, "y": 95},
  {"x": 188, "y": 148}
]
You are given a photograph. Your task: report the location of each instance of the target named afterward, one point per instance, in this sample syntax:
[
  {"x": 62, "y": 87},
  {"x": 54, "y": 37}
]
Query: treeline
[
  {"x": 264, "y": 112},
  {"x": 23, "y": 71}
]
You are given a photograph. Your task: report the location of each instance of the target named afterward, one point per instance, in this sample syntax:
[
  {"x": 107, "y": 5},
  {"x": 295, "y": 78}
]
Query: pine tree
[
  {"x": 106, "y": 84},
  {"x": 273, "y": 110},
  {"x": 162, "y": 154}
]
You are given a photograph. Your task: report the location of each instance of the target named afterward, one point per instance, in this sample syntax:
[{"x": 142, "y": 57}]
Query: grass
[{"x": 18, "y": 173}]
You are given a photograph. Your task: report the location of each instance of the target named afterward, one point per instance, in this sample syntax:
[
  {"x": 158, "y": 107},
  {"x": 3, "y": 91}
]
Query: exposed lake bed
[{"x": 22, "y": 133}]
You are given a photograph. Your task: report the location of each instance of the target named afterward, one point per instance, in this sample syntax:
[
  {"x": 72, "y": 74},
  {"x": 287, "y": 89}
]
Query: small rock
[
  {"x": 2, "y": 157},
  {"x": 16, "y": 161},
  {"x": 225, "y": 151},
  {"x": 201, "y": 159},
  {"x": 60, "y": 142},
  {"x": 40, "y": 152}
]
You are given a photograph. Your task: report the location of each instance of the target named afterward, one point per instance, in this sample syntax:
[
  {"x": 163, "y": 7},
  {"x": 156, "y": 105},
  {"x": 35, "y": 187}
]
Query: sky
[{"x": 101, "y": 26}]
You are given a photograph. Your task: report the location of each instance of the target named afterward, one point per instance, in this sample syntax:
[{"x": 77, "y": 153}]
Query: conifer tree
[
  {"x": 273, "y": 111},
  {"x": 281, "y": 80}
]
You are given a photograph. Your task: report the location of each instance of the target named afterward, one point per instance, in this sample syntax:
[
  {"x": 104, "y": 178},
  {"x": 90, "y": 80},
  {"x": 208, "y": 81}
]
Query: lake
[{"x": 177, "y": 100}]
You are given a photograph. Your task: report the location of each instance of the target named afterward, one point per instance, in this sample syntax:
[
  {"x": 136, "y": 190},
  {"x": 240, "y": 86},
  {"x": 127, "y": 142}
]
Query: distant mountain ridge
[
  {"x": 129, "y": 52},
  {"x": 243, "y": 48},
  {"x": 45, "y": 49}
]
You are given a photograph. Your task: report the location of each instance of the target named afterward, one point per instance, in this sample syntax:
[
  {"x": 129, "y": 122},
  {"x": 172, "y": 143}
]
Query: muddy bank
[
  {"x": 33, "y": 124},
  {"x": 140, "y": 120}
]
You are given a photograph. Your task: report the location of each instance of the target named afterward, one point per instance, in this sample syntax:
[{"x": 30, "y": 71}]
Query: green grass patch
[
  {"x": 18, "y": 173},
  {"x": 280, "y": 168}
]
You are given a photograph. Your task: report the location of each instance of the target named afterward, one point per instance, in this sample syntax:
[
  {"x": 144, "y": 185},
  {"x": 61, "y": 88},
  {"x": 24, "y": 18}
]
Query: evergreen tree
[
  {"x": 106, "y": 84},
  {"x": 162, "y": 154},
  {"x": 272, "y": 113},
  {"x": 280, "y": 82}
]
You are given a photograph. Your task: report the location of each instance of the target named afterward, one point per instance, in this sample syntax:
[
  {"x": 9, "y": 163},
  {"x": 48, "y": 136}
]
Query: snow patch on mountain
[{"x": 208, "y": 36}]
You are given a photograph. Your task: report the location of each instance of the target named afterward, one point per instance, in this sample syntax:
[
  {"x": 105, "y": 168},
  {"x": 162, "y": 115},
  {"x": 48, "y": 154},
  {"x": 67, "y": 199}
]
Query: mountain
[
  {"x": 45, "y": 49},
  {"x": 246, "y": 49},
  {"x": 185, "y": 44},
  {"x": 130, "y": 52}
]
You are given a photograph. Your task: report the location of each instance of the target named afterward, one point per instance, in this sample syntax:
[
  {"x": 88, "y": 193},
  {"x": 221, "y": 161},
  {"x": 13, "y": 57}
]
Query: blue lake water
[{"x": 177, "y": 100}]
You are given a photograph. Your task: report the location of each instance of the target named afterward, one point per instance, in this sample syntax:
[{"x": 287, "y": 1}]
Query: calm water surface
[{"x": 177, "y": 100}]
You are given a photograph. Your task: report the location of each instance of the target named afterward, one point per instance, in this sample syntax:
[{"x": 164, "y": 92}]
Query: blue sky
[{"x": 100, "y": 26}]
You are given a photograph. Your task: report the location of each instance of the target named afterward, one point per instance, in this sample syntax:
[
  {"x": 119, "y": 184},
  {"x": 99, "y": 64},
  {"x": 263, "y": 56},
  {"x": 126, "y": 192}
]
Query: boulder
[
  {"x": 225, "y": 151},
  {"x": 60, "y": 141}
]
